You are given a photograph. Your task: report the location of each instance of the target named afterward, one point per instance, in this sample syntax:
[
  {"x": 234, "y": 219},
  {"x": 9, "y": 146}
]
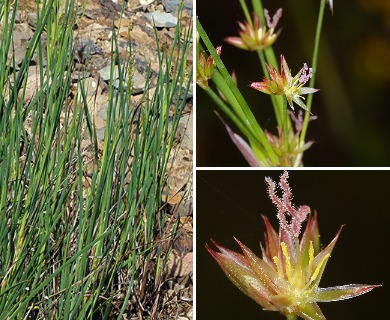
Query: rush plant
[{"x": 84, "y": 233}]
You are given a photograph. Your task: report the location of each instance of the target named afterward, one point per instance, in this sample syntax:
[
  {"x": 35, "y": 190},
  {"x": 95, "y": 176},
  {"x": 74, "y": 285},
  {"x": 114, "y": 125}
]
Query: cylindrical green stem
[
  {"x": 275, "y": 102},
  {"x": 292, "y": 317},
  {"x": 260, "y": 153},
  {"x": 254, "y": 129},
  {"x": 314, "y": 66},
  {"x": 246, "y": 12},
  {"x": 258, "y": 8},
  {"x": 285, "y": 122},
  {"x": 224, "y": 80}
]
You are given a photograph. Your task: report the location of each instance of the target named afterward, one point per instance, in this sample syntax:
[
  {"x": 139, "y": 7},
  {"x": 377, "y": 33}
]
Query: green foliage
[{"x": 79, "y": 225}]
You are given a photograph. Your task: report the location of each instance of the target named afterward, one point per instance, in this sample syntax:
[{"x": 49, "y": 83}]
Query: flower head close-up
[
  {"x": 287, "y": 277},
  {"x": 285, "y": 84},
  {"x": 254, "y": 36}
]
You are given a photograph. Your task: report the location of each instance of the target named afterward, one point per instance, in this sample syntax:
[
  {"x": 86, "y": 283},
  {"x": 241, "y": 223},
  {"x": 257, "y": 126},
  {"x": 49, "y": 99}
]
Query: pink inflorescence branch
[
  {"x": 305, "y": 77},
  {"x": 285, "y": 208},
  {"x": 272, "y": 23}
]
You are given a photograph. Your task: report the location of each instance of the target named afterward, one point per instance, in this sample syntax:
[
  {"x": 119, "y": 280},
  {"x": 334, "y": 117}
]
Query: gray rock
[
  {"x": 96, "y": 62},
  {"x": 138, "y": 80},
  {"x": 85, "y": 48},
  {"x": 162, "y": 19},
  {"x": 21, "y": 36},
  {"x": 138, "y": 83},
  {"x": 185, "y": 131},
  {"x": 89, "y": 13},
  {"x": 171, "y": 5},
  {"x": 103, "y": 112},
  {"x": 105, "y": 73},
  {"x": 35, "y": 58},
  {"x": 100, "y": 133},
  {"x": 182, "y": 96}
]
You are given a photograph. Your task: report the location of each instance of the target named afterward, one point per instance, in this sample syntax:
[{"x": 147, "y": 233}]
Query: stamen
[
  {"x": 311, "y": 256},
  {"x": 288, "y": 263},
  {"x": 318, "y": 269},
  {"x": 277, "y": 264}
]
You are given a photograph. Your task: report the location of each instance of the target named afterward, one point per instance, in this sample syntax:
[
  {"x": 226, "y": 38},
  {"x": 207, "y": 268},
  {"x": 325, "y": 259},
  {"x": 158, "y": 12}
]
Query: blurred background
[
  {"x": 230, "y": 204},
  {"x": 353, "y": 75}
]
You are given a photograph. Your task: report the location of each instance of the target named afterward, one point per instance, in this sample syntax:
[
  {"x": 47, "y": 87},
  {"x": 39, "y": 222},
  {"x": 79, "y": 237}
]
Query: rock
[
  {"x": 185, "y": 131},
  {"x": 84, "y": 48},
  {"x": 97, "y": 103},
  {"x": 132, "y": 4},
  {"x": 98, "y": 31},
  {"x": 182, "y": 96},
  {"x": 20, "y": 16},
  {"x": 122, "y": 23},
  {"x": 99, "y": 114},
  {"x": 89, "y": 86},
  {"x": 190, "y": 313},
  {"x": 21, "y": 36},
  {"x": 138, "y": 81},
  {"x": 32, "y": 19},
  {"x": 35, "y": 58},
  {"x": 185, "y": 209},
  {"x": 89, "y": 13},
  {"x": 140, "y": 36},
  {"x": 162, "y": 19},
  {"x": 105, "y": 73},
  {"x": 172, "y": 5},
  {"x": 141, "y": 65},
  {"x": 145, "y": 2},
  {"x": 32, "y": 85},
  {"x": 96, "y": 63},
  {"x": 100, "y": 133},
  {"x": 110, "y": 8},
  {"x": 180, "y": 266},
  {"x": 179, "y": 175}
]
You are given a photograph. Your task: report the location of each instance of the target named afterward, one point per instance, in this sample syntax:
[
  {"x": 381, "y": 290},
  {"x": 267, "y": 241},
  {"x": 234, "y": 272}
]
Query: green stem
[
  {"x": 246, "y": 12},
  {"x": 285, "y": 122},
  {"x": 256, "y": 133},
  {"x": 314, "y": 66},
  {"x": 250, "y": 119},
  {"x": 263, "y": 63},
  {"x": 258, "y": 8},
  {"x": 227, "y": 78},
  {"x": 251, "y": 136},
  {"x": 275, "y": 102},
  {"x": 268, "y": 56},
  {"x": 229, "y": 96},
  {"x": 292, "y": 317}
]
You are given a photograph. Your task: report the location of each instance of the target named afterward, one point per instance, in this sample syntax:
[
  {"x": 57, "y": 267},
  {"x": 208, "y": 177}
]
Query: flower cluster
[
  {"x": 290, "y": 154},
  {"x": 287, "y": 277},
  {"x": 205, "y": 67},
  {"x": 284, "y": 84},
  {"x": 254, "y": 36}
]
